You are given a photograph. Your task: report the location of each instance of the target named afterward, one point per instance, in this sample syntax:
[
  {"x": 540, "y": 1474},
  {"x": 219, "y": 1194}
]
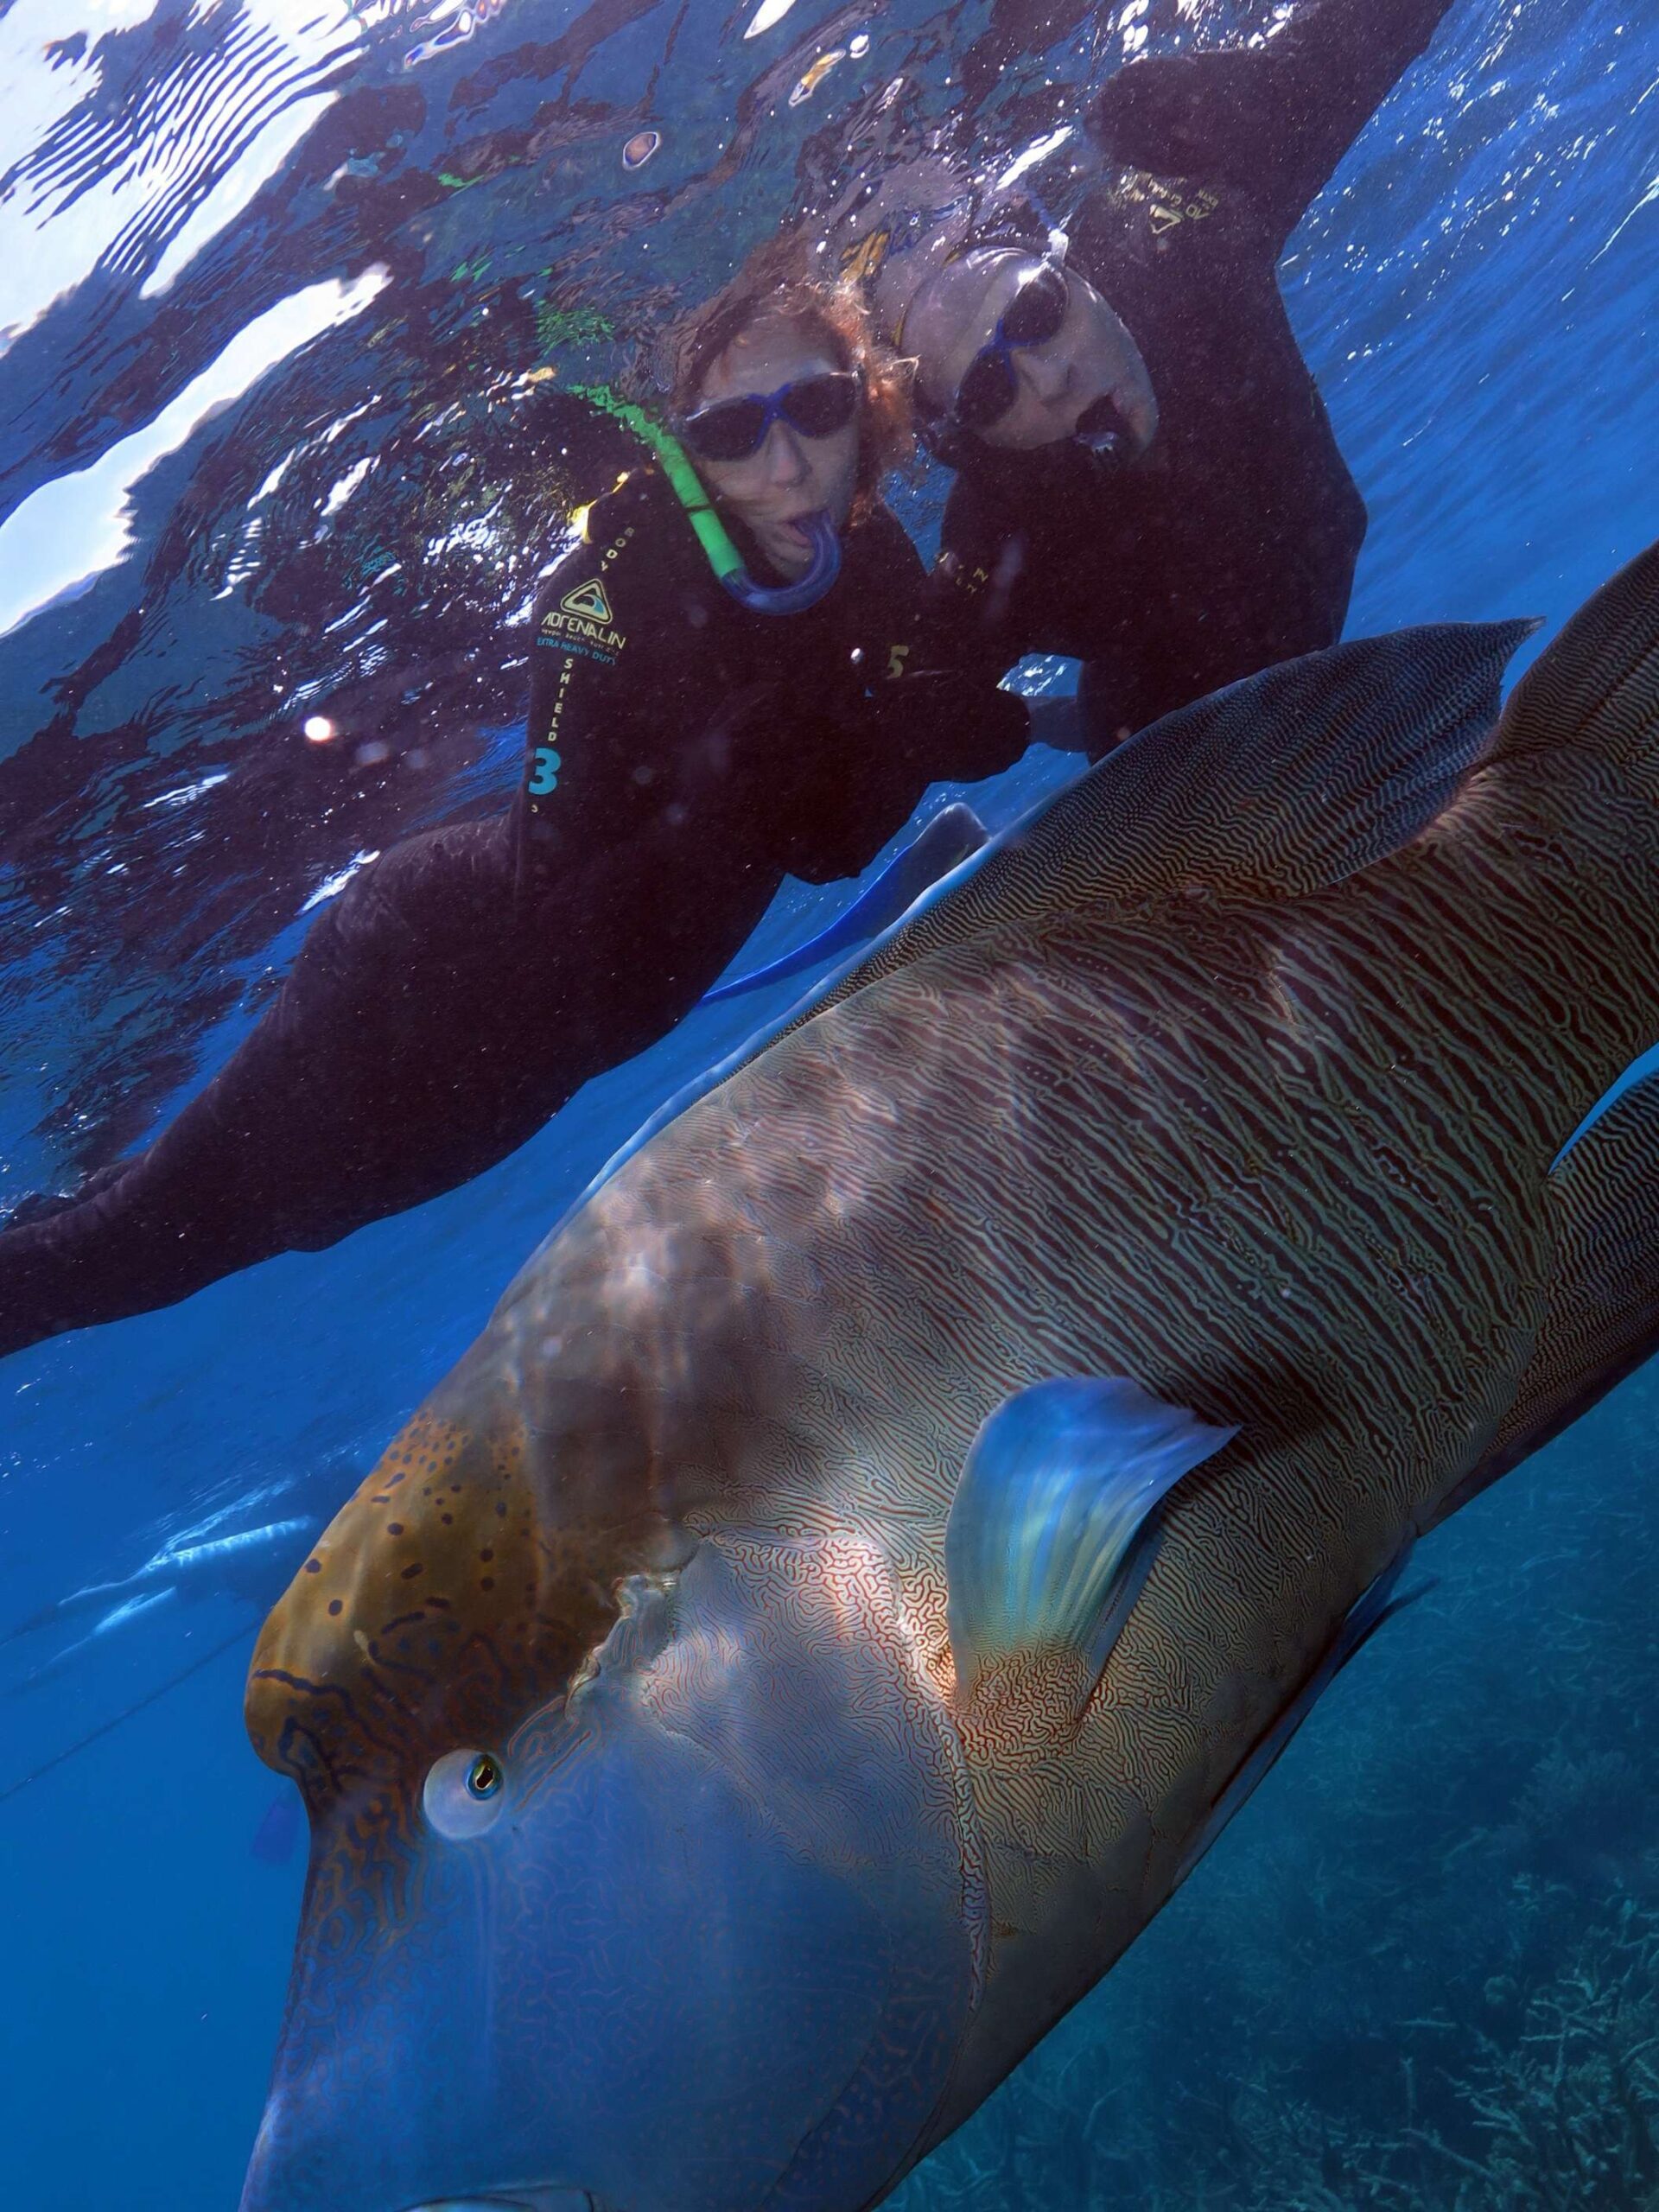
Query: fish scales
[
  {"x": 1600, "y": 1324},
  {"x": 1127, "y": 1310},
  {"x": 1249, "y": 1090}
]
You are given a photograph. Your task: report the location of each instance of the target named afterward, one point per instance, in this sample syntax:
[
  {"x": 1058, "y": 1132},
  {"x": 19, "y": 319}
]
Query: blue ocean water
[{"x": 270, "y": 289}]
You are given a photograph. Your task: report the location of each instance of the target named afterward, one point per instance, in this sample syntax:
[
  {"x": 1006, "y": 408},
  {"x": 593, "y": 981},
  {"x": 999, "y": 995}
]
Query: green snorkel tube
[{"x": 713, "y": 535}]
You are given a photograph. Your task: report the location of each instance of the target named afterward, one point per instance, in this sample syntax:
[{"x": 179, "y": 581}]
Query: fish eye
[{"x": 464, "y": 1793}]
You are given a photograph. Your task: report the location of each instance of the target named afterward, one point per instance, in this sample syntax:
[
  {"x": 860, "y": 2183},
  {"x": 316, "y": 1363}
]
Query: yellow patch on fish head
[{"x": 437, "y": 1609}]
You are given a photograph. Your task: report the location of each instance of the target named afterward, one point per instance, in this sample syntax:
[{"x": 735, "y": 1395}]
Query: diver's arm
[
  {"x": 934, "y": 693},
  {"x": 374, "y": 1079},
  {"x": 1271, "y": 122},
  {"x": 605, "y": 635},
  {"x": 970, "y": 624},
  {"x": 931, "y": 726},
  {"x": 931, "y": 711},
  {"x": 966, "y": 619}
]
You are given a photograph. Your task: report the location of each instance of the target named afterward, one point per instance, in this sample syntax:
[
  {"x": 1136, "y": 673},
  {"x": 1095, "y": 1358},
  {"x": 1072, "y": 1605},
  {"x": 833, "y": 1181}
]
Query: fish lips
[
  {"x": 712, "y": 1992},
  {"x": 653, "y": 1980},
  {"x": 521, "y": 2200}
]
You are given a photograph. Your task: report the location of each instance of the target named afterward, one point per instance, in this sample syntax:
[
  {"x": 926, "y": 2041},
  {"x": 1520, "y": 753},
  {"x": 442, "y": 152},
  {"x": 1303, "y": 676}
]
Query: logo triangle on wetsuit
[{"x": 588, "y": 599}]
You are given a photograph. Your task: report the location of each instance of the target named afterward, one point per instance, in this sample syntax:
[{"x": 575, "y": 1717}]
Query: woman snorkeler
[{"x": 724, "y": 689}]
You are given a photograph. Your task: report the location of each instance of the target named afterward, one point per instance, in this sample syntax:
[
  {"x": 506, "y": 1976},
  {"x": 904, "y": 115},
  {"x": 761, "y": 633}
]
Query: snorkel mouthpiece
[
  {"x": 1109, "y": 444},
  {"x": 821, "y": 569},
  {"x": 1102, "y": 429}
]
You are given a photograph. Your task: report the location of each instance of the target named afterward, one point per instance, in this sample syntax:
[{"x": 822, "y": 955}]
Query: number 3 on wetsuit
[{"x": 546, "y": 775}]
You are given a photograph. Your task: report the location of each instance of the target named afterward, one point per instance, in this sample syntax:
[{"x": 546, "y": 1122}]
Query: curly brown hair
[{"x": 776, "y": 281}]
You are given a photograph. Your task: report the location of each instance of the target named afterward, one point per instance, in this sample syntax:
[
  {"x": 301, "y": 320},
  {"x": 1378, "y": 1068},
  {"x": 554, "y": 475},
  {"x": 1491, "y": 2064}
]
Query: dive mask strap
[{"x": 822, "y": 568}]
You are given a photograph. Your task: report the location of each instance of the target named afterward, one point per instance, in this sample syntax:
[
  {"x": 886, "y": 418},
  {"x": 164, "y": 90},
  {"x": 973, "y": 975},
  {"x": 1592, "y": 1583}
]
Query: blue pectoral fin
[
  {"x": 1376, "y": 1604},
  {"x": 1045, "y": 1541},
  {"x": 954, "y": 833}
]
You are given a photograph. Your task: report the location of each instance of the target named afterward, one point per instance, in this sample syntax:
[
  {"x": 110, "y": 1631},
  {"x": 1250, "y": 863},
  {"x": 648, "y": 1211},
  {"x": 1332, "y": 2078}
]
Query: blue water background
[{"x": 1479, "y": 293}]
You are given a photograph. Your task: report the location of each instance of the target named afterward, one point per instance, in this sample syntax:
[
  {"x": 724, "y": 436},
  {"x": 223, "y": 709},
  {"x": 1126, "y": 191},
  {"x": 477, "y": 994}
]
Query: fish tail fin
[{"x": 1597, "y": 687}]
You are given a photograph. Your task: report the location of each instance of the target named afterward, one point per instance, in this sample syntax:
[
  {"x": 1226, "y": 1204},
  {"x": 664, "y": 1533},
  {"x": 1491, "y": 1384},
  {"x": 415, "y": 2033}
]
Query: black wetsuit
[
  {"x": 683, "y": 754},
  {"x": 1232, "y": 543}
]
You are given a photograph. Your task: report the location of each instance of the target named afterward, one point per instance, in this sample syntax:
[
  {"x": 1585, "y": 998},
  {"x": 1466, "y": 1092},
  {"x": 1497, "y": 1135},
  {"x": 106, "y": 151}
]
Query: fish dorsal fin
[
  {"x": 1597, "y": 685},
  {"x": 1278, "y": 787},
  {"x": 1042, "y": 1544}
]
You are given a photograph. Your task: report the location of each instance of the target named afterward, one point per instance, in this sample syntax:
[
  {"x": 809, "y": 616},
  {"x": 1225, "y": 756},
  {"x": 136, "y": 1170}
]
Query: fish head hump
[{"x": 637, "y": 1866}]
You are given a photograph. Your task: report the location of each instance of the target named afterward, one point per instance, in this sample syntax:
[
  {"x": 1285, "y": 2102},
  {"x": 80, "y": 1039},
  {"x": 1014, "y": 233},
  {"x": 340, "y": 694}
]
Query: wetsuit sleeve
[
  {"x": 611, "y": 641},
  {"x": 967, "y": 617},
  {"x": 941, "y": 709},
  {"x": 933, "y": 726},
  {"x": 1270, "y": 123},
  {"x": 924, "y": 715},
  {"x": 392, "y": 1065}
]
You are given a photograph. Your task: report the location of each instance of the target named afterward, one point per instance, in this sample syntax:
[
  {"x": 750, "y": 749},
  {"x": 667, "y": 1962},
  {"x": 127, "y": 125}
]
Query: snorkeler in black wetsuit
[
  {"x": 686, "y": 751},
  {"x": 1148, "y": 480}
]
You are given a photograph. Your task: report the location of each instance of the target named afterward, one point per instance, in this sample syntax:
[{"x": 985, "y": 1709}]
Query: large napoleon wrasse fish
[{"x": 897, "y": 1519}]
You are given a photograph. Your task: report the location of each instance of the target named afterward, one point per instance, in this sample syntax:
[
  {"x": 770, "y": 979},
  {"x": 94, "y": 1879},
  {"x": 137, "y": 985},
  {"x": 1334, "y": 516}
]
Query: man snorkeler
[{"x": 1147, "y": 478}]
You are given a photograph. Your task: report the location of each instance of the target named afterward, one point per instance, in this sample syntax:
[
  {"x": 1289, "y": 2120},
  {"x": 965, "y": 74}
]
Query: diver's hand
[{"x": 1057, "y": 721}]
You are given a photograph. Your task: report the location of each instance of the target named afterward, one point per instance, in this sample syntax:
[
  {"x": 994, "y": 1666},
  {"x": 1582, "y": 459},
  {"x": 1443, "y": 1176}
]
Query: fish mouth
[{"x": 513, "y": 2199}]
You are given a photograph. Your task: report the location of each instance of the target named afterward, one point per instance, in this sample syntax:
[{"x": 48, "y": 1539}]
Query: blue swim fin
[
  {"x": 1043, "y": 1544},
  {"x": 954, "y": 833}
]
